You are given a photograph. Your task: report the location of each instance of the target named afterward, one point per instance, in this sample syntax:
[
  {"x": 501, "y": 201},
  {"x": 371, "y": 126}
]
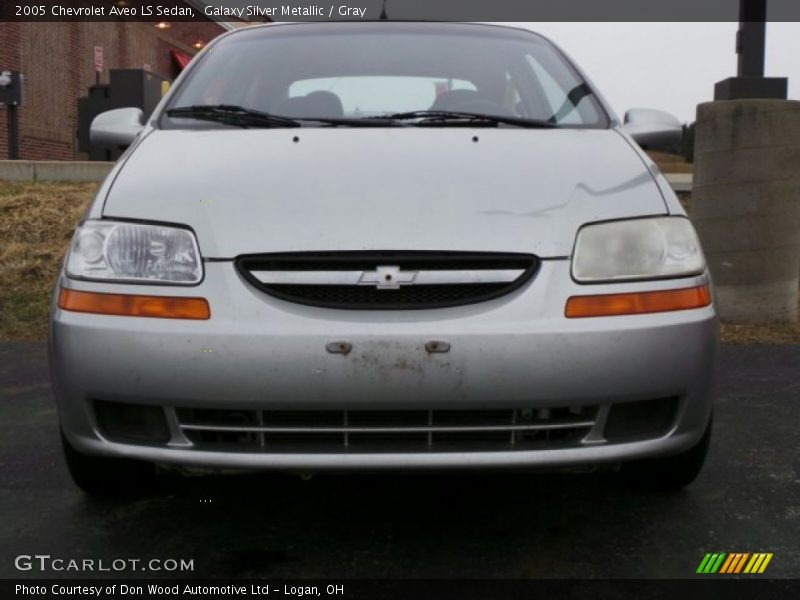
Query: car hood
[{"x": 247, "y": 191}]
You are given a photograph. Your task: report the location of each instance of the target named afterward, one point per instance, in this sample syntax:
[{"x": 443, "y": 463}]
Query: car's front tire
[
  {"x": 670, "y": 472},
  {"x": 103, "y": 476}
]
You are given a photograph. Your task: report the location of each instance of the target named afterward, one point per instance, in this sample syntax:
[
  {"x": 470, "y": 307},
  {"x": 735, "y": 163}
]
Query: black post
[
  {"x": 13, "y": 132},
  {"x": 751, "y": 43},
  {"x": 10, "y": 99}
]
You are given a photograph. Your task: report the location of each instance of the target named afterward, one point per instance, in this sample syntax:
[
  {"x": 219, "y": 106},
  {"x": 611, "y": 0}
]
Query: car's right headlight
[
  {"x": 637, "y": 249},
  {"x": 116, "y": 251}
]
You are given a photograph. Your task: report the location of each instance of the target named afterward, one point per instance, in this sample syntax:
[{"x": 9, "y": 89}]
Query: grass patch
[
  {"x": 771, "y": 333},
  {"x": 670, "y": 163},
  {"x": 36, "y": 224}
]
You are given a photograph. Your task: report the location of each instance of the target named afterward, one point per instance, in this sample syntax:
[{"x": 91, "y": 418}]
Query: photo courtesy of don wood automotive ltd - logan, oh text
[{"x": 400, "y": 299}]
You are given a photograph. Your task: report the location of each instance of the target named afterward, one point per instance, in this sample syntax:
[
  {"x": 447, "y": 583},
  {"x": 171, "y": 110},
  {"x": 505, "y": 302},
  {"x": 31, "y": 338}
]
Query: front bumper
[{"x": 259, "y": 353}]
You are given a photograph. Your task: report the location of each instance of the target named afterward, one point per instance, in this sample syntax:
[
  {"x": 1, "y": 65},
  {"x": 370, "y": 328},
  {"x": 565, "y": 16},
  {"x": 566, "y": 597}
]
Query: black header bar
[
  {"x": 709, "y": 586},
  {"x": 432, "y": 10}
]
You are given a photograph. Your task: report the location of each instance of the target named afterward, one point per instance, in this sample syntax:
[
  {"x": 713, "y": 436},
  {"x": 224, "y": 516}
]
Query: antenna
[{"x": 384, "y": 16}]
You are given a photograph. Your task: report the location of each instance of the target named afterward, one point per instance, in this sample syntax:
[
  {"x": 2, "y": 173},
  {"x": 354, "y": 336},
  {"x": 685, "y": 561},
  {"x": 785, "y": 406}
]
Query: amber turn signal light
[
  {"x": 159, "y": 307},
  {"x": 637, "y": 303}
]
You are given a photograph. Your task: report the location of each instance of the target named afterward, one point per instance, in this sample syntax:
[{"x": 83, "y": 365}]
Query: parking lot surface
[{"x": 747, "y": 499}]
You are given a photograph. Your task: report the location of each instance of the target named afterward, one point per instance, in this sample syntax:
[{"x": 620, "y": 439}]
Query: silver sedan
[{"x": 407, "y": 246}]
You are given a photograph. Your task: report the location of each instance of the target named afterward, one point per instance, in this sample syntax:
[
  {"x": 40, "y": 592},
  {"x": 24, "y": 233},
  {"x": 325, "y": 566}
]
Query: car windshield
[{"x": 384, "y": 72}]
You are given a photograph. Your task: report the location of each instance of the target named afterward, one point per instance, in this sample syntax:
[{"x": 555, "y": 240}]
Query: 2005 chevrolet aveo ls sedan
[{"x": 374, "y": 246}]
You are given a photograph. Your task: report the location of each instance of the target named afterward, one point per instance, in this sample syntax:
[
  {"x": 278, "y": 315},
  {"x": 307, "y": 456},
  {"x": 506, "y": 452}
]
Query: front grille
[
  {"x": 386, "y": 431},
  {"x": 387, "y": 280},
  {"x": 420, "y": 296}
]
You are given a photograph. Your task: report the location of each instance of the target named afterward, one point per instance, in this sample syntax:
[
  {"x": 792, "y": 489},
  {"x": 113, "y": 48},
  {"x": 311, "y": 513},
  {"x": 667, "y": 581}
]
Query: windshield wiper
[
  {"x": 231, "y": 115},
  {"x": 353, "y": 121},
  {"x": 428, "y": 117},
  {"x": 248, "y": 117}
]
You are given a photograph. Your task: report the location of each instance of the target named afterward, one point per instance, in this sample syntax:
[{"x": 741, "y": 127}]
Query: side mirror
[
  {"x": 116, "y": 127},
  {"x": 653, "y": 129}
]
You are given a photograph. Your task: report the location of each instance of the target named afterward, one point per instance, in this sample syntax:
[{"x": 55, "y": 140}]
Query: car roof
[{"x": 479, "y": 28}]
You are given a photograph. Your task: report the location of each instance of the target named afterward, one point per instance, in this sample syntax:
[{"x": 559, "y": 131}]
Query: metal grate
[
  {"x": 386, "y": 431},
  {"x": 387, "y": 280}
]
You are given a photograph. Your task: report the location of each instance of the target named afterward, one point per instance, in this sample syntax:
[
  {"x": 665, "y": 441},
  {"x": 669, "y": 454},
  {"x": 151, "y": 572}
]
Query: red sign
[{"x": 98, "y": 59}]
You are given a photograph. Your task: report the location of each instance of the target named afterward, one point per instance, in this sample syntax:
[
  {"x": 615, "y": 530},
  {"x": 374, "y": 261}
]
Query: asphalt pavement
[{"x": 747, "y": 499}]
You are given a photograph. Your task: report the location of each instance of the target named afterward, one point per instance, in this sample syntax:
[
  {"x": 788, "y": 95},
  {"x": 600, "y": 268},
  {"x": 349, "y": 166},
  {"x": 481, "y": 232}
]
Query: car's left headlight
[
  {"x": 133, "y": 252},
  {"x": 636, "y": 249}
]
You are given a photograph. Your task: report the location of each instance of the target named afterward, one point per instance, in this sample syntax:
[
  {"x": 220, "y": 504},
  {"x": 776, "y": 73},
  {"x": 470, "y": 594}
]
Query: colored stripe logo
[{"x": 732, "y": 563}]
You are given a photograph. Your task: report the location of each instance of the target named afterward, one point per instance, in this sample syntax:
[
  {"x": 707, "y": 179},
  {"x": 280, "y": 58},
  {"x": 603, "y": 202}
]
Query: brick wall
[
  {"x": 189, "y": 33},
  {"x": 57, "y": 60}
]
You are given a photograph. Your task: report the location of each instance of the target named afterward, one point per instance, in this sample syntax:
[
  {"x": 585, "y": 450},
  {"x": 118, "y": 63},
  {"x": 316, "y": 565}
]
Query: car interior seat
[
  {"x": 320, "y": 103},
  {"x": 468, "y": 101}
]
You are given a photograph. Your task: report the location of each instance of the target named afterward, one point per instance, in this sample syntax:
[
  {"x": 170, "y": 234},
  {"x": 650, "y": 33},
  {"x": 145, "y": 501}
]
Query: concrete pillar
[{"x": 746, "y": 206}]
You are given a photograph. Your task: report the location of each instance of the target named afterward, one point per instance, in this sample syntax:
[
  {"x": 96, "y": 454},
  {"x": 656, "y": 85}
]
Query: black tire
[
  {"x": 108, "y": 477},
  {"x": 669, "y": 473}
]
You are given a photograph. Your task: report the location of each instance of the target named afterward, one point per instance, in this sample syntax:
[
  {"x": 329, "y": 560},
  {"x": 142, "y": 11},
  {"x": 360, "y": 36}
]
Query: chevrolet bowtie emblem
[{"x": 387, "y": 278}]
